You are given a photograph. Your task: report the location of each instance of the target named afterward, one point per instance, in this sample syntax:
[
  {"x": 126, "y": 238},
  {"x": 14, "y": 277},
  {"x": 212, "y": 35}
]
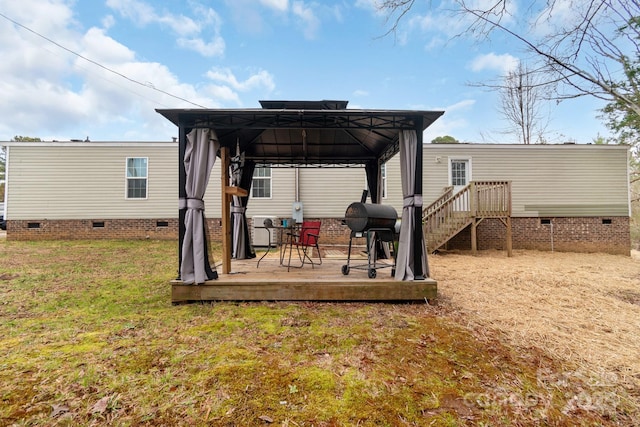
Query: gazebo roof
[{"x": 306, "y": 132}]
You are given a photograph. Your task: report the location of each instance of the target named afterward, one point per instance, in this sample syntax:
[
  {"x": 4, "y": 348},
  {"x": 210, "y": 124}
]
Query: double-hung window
[
  {"x": 261, "y": 184},
  {"x": 137, "y": 176}
]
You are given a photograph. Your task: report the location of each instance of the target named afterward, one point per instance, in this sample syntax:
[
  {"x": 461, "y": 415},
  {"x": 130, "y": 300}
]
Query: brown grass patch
[{"x": 578, "y": 308}]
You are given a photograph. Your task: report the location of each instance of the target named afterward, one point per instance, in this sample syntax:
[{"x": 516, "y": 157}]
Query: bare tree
[
  {"x": 522, "y": 100},
  {"x": 583, "y": 50}
]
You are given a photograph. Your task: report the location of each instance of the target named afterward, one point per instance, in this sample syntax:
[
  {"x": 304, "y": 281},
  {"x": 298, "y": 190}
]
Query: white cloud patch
[
  {"x": 260, "y": 80},
  {"x": 213, "y": 48},
  {"x": 454, "y": 122},
  {"x": 103, "y": 49},
  {"x": 279, "y": 5},
  {"x": 493, "y": 62},
  {"x": 306, "y": 19},
  {"x": 270, "y": 16},
  {"x": 50, "y": 93},
  {"x": 370, "y": 5},
  {"x": 463, "y": 105},
  {"x": 188, "y": 30}
]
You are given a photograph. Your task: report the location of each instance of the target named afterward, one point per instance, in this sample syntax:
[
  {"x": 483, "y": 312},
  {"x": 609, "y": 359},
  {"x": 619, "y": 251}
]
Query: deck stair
[{"x": 451, "y": 213}]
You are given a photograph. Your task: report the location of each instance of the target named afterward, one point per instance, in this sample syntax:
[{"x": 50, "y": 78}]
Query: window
[
  {"x": 460, "y": 172},
  {"x": 137, "y": 177},
  {"x": 261, "y": 184}
]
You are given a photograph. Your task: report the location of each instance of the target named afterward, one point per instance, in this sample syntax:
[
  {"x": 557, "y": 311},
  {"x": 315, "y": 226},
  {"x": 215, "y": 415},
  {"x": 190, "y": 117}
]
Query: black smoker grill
[{"x": 376, "y": 223}]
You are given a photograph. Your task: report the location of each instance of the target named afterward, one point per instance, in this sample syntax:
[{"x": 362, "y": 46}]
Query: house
[{"x": 565, "y": 197}]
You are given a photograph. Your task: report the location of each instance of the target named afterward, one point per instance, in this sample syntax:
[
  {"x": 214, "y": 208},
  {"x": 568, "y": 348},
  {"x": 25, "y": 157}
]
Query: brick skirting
[
  {"x": 598, "y": 234},
  {"x": 593, "y": 234},
  {"x": 75, "y": 229}
]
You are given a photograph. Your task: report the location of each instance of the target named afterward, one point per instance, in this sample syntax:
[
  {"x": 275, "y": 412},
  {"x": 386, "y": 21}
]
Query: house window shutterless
[
  {"x": 261, "y": 184},
  {"x": 137, "y": 176},
  {"x": 459, "y": 172}
]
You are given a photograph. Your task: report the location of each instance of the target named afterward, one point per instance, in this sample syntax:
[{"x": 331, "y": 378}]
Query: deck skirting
[{"x": 323, "y": 283}]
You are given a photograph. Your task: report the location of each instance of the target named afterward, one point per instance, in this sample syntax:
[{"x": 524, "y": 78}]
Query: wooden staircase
[{"x": 451, "y": 213}]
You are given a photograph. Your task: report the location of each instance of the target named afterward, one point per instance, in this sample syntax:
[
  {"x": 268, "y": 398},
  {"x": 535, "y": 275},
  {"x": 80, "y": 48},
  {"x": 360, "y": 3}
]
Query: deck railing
[
  {"x": 447, "y": 192},
  {"x": 492, "y": 198},
  {"x": 447, "y": 216}
]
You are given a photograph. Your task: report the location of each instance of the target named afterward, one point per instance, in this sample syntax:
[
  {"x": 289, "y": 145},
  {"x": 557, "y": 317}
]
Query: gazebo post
[
  {"x": 417, "y": 191},
  {"x": 225, "y": 211},
  {"x": 182, "y": 192}
]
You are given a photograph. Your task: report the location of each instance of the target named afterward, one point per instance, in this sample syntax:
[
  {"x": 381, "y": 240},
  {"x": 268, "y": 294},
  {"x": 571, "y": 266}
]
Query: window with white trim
[
  {"x": 137, "y": 176},
  {"x": 261, "y": 183},
  {"x": 459, "y": 172}
]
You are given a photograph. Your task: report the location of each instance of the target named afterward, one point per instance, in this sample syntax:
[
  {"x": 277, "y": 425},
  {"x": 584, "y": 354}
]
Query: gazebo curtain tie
[
  {"x": 191, "y": 203},
  {"x": 412, "y": 200}
]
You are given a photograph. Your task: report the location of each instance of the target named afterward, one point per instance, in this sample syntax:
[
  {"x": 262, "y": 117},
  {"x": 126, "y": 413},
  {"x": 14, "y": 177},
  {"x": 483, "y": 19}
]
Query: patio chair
[{"x": 304, "y": 242}]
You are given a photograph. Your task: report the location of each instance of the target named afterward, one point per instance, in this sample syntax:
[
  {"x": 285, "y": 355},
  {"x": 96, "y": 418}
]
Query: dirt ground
[{"x": 583, "y": 309}]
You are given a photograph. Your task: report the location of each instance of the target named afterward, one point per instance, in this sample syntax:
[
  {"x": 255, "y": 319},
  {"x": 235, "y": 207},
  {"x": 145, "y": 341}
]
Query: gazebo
[{"x": 292, "y": 133}]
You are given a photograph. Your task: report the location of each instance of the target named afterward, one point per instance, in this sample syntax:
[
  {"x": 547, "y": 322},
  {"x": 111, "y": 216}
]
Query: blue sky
[{"x": 233, "y": 53}]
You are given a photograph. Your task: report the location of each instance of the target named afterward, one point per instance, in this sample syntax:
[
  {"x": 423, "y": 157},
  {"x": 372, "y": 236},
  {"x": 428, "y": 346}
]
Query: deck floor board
[{"x": 272, "y": 282}]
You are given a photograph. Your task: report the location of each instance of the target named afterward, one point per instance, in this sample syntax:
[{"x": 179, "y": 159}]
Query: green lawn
[{"x": 88, "y": 336}]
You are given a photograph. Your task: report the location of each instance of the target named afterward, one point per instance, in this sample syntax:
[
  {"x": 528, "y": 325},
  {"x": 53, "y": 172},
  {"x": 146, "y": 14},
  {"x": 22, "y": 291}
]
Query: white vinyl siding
[
  {"x": 327, "y": 192},
  {"x": 87, "y": 180},
  {"x": 547, "y": 180}
]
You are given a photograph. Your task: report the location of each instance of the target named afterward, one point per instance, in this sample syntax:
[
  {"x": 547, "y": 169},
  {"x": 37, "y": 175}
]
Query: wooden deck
[{"x": 272, "y": 282}]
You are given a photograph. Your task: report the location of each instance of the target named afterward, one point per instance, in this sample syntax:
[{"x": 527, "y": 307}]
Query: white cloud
[
  {"x": 493, "y": 62},
  {"x": 108, "y": 21},
  {"x": 188, "y": 30},
  {"x": 103, "y": 49},
  {"x": 463, "y": 105},
  {"x": 370, "y": 5},
  {"x": 143, "y": 14},
  {"x": 214, "y": 48},
  {"x": 360, "y": 93},
  {"x": 307, "y": 20},
  {"x": 557, "y": 15},
  {"x": 279, "y": 5},
  {"x": 260, "y": 80},
  {"x": 222, "y": 94},
  {"x": 50, "y": 93},
  {"x": 453, "y": 122}
]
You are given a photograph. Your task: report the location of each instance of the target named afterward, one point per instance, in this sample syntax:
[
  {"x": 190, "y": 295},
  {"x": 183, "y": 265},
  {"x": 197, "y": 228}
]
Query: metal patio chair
[{"x": 305, "y": 240}]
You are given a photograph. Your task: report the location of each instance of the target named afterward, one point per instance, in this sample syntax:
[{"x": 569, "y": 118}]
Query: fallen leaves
[
  {"x": 267, "y": 419},
  {"x": 101, "y": 406},
  {"x": 57, "y": 410}
]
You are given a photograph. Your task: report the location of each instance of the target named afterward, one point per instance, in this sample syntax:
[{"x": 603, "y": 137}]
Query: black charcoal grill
[{"x": 377, "y": 224}]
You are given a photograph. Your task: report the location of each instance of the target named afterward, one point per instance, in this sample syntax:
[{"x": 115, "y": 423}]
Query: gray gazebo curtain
[
  {"x": 373, "y": 171},
  {"x": 405, "y": 263},
  {"x": 241, "y": 176},
  {"x": 200, "y": 156},
  {"x": 374, "y": 180}
]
